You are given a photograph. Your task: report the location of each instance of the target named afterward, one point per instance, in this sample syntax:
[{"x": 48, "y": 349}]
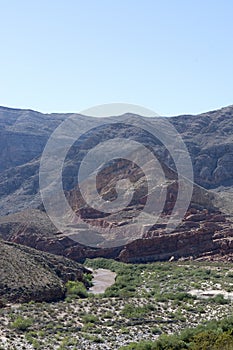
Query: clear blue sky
[{"x": 174, "y": 57}]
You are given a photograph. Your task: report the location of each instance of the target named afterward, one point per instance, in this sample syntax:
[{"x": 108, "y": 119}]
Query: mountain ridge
[{"x": 208, "y": 137}]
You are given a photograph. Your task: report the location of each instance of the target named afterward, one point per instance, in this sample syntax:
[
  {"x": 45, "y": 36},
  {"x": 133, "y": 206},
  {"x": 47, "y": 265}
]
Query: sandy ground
[
  {"x": 210, "y": 293},
  {"x": 102, "y": 280}
]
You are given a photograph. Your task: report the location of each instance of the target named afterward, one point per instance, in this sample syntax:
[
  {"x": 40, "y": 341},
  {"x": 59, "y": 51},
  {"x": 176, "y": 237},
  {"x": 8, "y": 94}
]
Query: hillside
[
  {"x": 24, "y": 133},
  {"x": 29, "y": 275}
]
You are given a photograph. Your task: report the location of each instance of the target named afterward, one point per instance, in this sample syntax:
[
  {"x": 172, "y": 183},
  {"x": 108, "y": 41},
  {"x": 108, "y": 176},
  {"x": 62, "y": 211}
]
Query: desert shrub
[
  {"x": 132, "y": 311},
  {"x": 76, "y": 289},
  {"x": 164, "y": 343},
  {"x": 219, "y": 299},
  {"x": 101, "y": 263},
  {"x": 180, "y": 296},
  {"x": 87, "y": 278},
  {"x": 139, "y": 346},
  {"x": 88, "y": 318},
  {"x": 224, "y": 342},
  {"x": 205, "y": 339},
  {"x": 215, "y": 335},
  {"x": 21, "y": 323}
]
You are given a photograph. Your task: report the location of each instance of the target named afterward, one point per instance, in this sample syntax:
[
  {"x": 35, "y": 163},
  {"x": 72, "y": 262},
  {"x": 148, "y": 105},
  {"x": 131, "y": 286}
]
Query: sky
[{"x": 171, "y": 56}]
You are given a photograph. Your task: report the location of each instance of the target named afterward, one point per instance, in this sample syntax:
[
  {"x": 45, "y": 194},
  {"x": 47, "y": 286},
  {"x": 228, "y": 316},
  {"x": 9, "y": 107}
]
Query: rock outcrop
[{"x": 203, "y": 233}]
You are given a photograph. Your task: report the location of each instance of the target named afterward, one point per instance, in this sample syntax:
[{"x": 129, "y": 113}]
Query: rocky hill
[{"x": 27, "y": 274}]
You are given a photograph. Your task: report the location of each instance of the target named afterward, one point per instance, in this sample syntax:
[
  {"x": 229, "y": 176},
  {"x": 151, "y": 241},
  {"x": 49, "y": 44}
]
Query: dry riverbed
[{"x": 102, "y": 279}]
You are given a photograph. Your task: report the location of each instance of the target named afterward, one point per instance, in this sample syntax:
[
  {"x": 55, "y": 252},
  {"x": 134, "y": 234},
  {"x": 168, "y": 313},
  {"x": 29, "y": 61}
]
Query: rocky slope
[
  {"x": 209, "y": 138},
  {"x": 27, "y": 274},
  {"x": 24, "y": 133},
  {"x": 205, "y": 231}
]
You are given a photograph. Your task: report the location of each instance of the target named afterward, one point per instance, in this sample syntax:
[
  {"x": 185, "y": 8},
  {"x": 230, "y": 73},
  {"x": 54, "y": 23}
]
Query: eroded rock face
[
  {"x": 203, "y": 233},
  {"x": 209, "y": 139}
]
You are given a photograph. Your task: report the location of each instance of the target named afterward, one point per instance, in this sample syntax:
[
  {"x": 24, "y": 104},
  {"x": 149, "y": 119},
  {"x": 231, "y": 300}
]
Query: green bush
[
  {"x": 219, "y": 299},
  {"x": 87, "y": 278},
  {"x": 132, "y": 311},
  {"x": 88, "y": 318},
  {"x": 21, "y": 323},
  {"x": 180, "y": 296},
  {"x": 76, "y": 289}
]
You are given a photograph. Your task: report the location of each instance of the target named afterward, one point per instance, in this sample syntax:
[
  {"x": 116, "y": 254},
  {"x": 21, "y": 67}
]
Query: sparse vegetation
[
  {"x": 148, "y": 307},
  {"x": 22, "y": 323},
  {"x": 216, "y": 335}
]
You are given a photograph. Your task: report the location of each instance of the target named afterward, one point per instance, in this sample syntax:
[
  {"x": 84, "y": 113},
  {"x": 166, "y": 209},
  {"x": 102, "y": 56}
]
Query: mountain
[
  {"x": 207, "y": 223},
  {"x": 209, "y": 138},
  {"x": 24, "y": 133}
]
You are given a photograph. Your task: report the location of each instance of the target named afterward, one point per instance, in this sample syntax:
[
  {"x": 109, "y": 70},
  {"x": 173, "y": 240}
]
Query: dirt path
[{"x": 102, "y": 280}]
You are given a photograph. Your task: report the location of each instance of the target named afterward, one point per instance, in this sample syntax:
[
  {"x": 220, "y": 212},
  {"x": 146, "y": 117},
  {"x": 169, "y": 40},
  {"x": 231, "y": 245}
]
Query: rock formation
[{"x": 206, "y": 230}]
